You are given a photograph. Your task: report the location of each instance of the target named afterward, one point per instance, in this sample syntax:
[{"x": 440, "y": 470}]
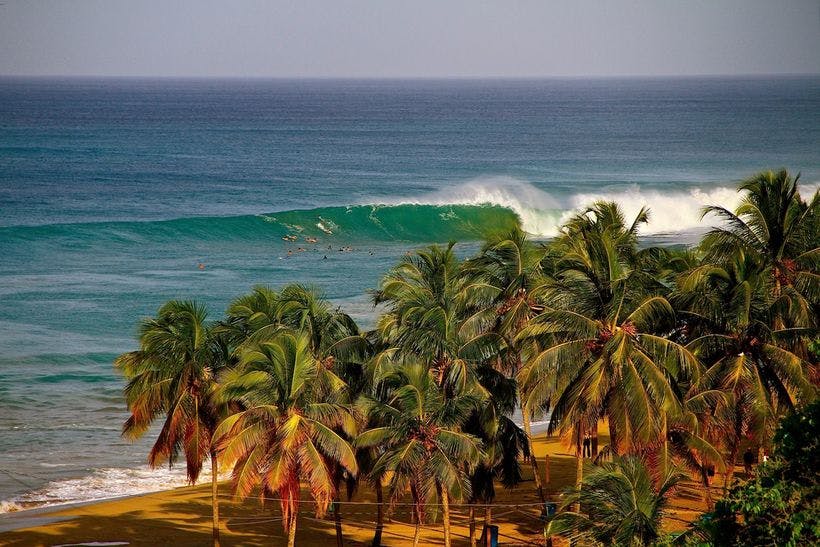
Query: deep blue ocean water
[{"x": 112, "y": 192}]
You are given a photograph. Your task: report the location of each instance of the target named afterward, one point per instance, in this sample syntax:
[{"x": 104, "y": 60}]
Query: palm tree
[
  {"x": 445, "y": 315},
  {"x": 298, "y": 307},
  {"x": 261, "y": 313},
  {"x": 504, "y": 442},
  {"x": 621, "y": 506},
  {"x": 363, "y": 361},
  {"x": 509, "y": 269},
  {"x": 173, "y": 374},
  {"x": 602, "y": 350},
  {"x": 305, "y": 309},
  {"x": 730, "y": 312},
  {"x": 249, "y": 313},
  {"x": 431, "y": 315},
  {"x": 776, "y": 228},
  {"x": 294, "y": 409},
  {"x": 425, "y": 450}
]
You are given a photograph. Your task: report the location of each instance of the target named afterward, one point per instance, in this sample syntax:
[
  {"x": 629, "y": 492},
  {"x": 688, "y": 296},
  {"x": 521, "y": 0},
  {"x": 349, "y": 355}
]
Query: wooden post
[{"x": 472, "y": 526}]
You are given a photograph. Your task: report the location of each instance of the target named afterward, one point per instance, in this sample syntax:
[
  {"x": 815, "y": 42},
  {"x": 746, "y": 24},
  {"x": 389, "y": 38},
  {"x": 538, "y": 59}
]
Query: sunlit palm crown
[
  {"x": 421, "y": 436},
  {"x": 173, "y": 375},
  {"x": 292, "y": 426},
  {"x": 601, "y": 350}
]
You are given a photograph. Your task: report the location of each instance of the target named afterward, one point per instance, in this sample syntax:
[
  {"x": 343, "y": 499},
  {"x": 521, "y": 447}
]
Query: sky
[{"x": 411, "y": 38}]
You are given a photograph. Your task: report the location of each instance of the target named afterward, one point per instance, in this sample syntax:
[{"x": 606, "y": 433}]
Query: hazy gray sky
[{"x": 387, "y": 38}]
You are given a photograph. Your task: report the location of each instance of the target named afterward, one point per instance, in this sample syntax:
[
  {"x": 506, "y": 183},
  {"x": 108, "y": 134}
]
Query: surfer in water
[{"x": 321, "y": 226}]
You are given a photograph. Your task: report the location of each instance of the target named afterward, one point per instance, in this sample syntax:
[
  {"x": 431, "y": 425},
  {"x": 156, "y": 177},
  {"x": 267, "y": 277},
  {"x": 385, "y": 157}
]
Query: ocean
[{"x": 113, "y": 192}]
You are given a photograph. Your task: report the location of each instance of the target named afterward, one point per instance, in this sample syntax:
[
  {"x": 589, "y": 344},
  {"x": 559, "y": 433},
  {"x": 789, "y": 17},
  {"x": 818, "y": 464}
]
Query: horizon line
[{"x": 412, "y": 77}]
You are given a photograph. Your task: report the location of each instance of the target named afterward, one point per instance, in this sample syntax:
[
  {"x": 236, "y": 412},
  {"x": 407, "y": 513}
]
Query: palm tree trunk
[
  {"x": 445, "y": 509},
  {"x": 472, "y": 526},
  {"x": 595, "y": 442},
  {"x": 707, "y": 488},
  {"x": 215, "y": 497},
  {"x": 613, "y": 437},
  {"x": 730, "y": 471},
  {"x": 665, "y": 446},
  {"x": 292, "y": 530},
  {"x": 579, "y": 465},
  {"x": 416, "y": 513},
  {"x": 337, "y": 522},
  {"x": 730, "y": 468},
  {"x": 377, "y": 537},
  {"x": 525, "y": 415},
  {"x": 546, "y": 468}
]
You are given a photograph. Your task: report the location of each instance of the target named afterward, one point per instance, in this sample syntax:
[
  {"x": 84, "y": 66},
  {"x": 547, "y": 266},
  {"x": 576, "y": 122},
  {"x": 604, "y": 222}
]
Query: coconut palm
[
  {"x": 305, "y": 309},
  {"x": 249, "y": 313},
  {"x": 426, "y": 452},
  {"x": 509, "y": 268},
  {"x": 261, "y": 313},
  {"x": 621, "y": 505},
  {"x": 504, "y": 442},
  {"x": 292, "y": 426},
  {"x": 173, "y": 374},
  {"x": 694, "y": 435},
  {"x": 363, "y": 361},
  {"x": 444, "y": 314},
  {"x": 601, "y": 347},
  {"x": 729, "y": 310},
  {"x": 432, "y": 315},
  {"x": 776, "y": 227}
]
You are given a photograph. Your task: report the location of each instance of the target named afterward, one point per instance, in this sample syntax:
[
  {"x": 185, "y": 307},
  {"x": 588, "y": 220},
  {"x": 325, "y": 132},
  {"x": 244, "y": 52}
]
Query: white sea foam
[
  {"x": 669, "y": 211},
  {"x": 102, "y": 484},
  {"x": 9, "y": 507},
  {"x": 541, "y": 213}
]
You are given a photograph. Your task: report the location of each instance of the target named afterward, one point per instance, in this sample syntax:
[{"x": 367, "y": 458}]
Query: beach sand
[{"x": 182, "y": 517}]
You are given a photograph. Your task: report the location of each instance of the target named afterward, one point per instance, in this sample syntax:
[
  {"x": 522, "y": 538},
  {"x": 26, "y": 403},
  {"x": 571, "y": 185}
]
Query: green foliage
[
  {"x": 599, "y": 349},
  {"x": 620, "y": 505},
  {"x": 781, "y": 504},
  {"x": 419, "y": 429},
  {"x": 292, "y": 425},
  {"x": 173, "y": 375},
  {"x": 814, "y": 349}
]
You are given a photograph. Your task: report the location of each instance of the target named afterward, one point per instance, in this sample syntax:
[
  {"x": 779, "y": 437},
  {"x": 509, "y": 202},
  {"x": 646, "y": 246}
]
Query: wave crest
[
  {"x": 467, "y": 211},
  {"x": 542, "y": 213}
]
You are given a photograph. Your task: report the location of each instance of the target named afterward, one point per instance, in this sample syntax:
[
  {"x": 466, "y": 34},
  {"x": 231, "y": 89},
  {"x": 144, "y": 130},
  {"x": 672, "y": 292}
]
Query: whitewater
[
  {"x": 118, "y": 195},
  {"x": 541, "y": 214}
]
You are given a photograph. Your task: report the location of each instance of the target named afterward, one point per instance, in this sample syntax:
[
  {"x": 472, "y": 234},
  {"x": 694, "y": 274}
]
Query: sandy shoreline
[
  {"x": 181, "y": 516},
  {"x": 29, "y": 510}
]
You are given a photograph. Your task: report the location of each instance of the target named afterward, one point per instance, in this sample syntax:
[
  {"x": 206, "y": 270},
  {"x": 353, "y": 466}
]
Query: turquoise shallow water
[{"x": 113, "y": 191}]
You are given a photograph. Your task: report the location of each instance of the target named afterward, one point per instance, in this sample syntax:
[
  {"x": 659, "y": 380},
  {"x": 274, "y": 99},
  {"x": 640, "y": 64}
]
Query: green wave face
[
  {"x": 414, "y": 223},
  {"x": 410, "y": 223}
]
